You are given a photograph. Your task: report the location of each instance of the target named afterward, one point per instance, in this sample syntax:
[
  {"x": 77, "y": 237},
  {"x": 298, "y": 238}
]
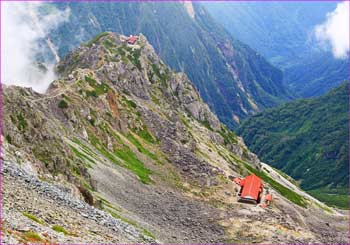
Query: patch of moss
[
  {"x": 121, "y": 51},
  {"x": 155, "y": 100},
  {"x": 82, "y": 156},
  {"x": 60, "y": 229},
  {"x": 32, "y": 237},
  {"x": 164, "y": 77},
  {"x": 109, "y": 45},
  {"x": 13, "y": 119},
  {"x": 34, "y": 218},
  {"x": 146, "y": 135},
  {"x": 184, "y": 121},
  {"x": 148, "y": 233},
  {"x": 206, "y": 124},
  {"x": 229, "y": 136},
  {"x": 9, "y": 139},
  {"x": 130, "y": 103},
  {"x": 42, "y": 155},
  {"x": 63, "y": 104},
  {"x": 91, "y": 93},
  {"x": 66, "y": 97},
  {"x": 132, "y": 163},
  {"x": 99, "y": 89},
  {"x": 96, "y": 38},
  {"x": 84, "y": 148},
  {"x": 135, "y": 58},
  {"x": 140, "y": 148},
  {"x": 75, "y": 57},
  {"x": 117, "y": 216},
  {"x": 22, "y": 122},
  {"x": 102, "y": 149}
]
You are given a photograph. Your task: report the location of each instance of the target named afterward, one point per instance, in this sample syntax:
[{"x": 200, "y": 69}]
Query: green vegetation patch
[
  {"x": 102, "y": 149},
  {"x": 140, "y": 147},
  {"x": 229, "y": 136},
  {"x": 99, "y": 89},
  {"x": 130, "y": 103},
  {"x": 109, "y": 45},
  {"x": 148, "y": 233},
  {"x": 82, "y": 156},
  {"x": 155, "y": 99},
  {"x": 284, "y": 191},
  {"x": 136, "y": 58},
  {"x": 34, "y": 218},
  {"x": 96, "y": 38},
  {"x": 206, "y": 124},
  {"x": 117, "y": 216},
  {"x": 332, "y": 197},
  {"x": 164, "y": 77},
  {"x": 21, "y": 122},
  {"x": 132, "y": 163},
  {"x": 60, "y": 229},
  {"x": 85, "y": 149},
  {"x": 9, "y": 139},
  {"x": 63, "y": 104},
  {"x": 305, "y": 139},
  {"x": 32, "y": 237},
  {"x": 146, "y": 135},
  {"x": 184, "y": 121}
]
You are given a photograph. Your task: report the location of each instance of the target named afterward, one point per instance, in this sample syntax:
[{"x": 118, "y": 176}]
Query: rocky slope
[
  {"x": 234, "y": 80},
  {"x": 123, "y": 150}
]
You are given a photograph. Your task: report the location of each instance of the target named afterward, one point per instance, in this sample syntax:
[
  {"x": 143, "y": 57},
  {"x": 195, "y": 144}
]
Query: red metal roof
[
  {"x": 252, "y": 186},
  {"x": 132, "y": 39}
]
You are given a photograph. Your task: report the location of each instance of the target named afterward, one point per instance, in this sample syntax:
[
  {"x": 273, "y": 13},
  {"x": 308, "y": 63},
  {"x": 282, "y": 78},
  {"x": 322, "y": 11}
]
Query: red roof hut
[
  {"x": 132, "y": 39},
  {"x": 252, "y": 188}
]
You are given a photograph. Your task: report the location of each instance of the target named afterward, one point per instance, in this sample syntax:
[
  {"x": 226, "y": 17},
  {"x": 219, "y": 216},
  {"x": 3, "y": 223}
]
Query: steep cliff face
[
  {"x": 122, "y": 132},
  {"x": 232, "y": 79}
]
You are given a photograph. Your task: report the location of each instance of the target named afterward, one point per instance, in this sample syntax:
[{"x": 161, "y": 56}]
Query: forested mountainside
[
  {"x": 308, "y": 140},
  {"x": 233, "y": 79},
  {"x": 283, "y": 33},
  {"x": 316, "y": 75},
  {"x": 121, "y": 149}
]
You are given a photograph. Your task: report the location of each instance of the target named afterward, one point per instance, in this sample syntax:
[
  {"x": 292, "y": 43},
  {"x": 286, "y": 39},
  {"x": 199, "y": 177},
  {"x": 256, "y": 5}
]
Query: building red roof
[
  {"x": 132, "y": 39},
  {"x": 252, "y": 186}
]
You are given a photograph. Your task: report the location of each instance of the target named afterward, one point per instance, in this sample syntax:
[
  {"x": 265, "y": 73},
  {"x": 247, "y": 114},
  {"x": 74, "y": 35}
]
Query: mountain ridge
[
  {"x": 232, "y": 79},
  {"x": 122, "y": 132}
]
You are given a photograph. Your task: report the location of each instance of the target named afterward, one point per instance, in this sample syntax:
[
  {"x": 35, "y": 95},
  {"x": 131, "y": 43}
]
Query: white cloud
[
  {"x": 23, "y": 26},
  {"x": 334, "y": 32}
]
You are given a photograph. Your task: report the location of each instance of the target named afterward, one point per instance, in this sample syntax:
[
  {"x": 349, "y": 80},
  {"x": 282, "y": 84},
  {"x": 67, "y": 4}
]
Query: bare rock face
[{"x": 132, "y": 138}]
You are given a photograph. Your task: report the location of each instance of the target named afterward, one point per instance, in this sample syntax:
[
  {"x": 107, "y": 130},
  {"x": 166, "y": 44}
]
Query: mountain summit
[{"x": 234, "y": 80}]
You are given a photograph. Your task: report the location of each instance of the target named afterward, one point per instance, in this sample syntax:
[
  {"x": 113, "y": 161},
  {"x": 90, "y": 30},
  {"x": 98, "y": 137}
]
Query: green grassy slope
[{"x": 307, "y": 139}]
